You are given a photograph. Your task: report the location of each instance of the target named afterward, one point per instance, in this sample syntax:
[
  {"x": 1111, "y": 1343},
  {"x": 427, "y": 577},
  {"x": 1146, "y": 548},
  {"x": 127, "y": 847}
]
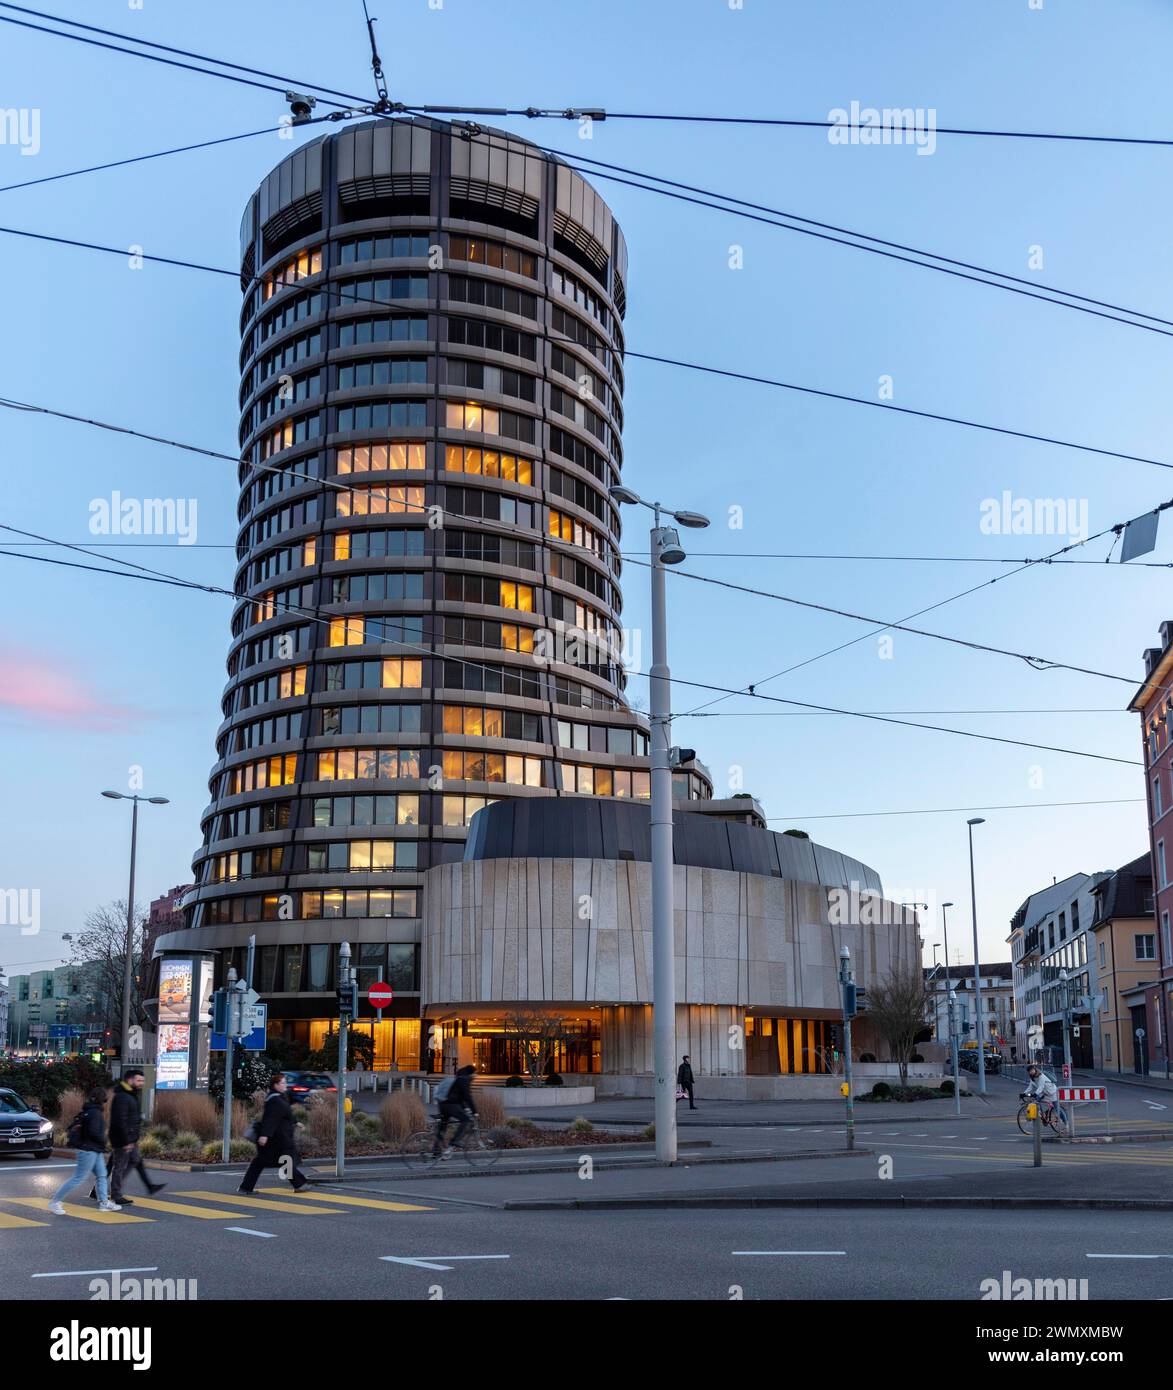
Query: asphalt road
[{"x": 387, "y": 1233}]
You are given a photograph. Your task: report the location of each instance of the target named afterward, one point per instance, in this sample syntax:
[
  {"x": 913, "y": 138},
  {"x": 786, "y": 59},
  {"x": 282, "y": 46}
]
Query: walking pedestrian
[
  {"x": 126, "y": 1122},
  {"x": 276, "y": 1140},
  {"x": 87, "y": 1134},
  {"x": 684, "y": 1080}
]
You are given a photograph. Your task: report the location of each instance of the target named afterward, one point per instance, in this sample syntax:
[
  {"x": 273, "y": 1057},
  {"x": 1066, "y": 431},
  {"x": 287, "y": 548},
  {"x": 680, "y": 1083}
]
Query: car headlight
[{"x": 45, "y": 1127}]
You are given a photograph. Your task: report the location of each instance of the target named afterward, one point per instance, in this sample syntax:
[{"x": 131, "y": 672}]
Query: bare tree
[
  {"x": 897, "y": 1008},
  {"x": 538, "y": 1034},
  {"x": 100, "y": 947}
]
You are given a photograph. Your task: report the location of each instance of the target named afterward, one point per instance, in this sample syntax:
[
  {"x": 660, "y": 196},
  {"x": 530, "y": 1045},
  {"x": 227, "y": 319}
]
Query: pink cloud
[{"x": 35, "y": 689}]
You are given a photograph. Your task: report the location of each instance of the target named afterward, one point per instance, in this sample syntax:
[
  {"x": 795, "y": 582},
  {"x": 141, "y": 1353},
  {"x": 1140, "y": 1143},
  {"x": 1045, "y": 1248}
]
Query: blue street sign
[
  {"x": 66, "y": 1030},
  {"x": 252, "y": 1042}
]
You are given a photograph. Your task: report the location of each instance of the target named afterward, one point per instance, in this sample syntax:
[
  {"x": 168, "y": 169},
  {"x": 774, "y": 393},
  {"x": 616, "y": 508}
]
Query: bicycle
[
  {"x": 479, "y": 1152},
  {"x": 1050, "y": 1116}
]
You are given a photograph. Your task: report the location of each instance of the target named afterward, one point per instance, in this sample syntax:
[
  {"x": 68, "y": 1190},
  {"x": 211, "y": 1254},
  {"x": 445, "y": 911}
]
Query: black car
[
  {"x": 23, "y": 1130},
  {"x": 968, "y": 1061},
  {"x": 303, "y": 1084}
]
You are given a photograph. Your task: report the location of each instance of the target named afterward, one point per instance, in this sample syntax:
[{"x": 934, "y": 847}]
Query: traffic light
[
  {"x": 834, "y": 1037},
  {"x": 348, "y": 1001}
]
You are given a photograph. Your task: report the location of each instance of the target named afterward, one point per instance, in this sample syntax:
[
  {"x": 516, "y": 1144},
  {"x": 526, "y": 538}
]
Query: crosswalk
[{"x": 200, "y": 1205}]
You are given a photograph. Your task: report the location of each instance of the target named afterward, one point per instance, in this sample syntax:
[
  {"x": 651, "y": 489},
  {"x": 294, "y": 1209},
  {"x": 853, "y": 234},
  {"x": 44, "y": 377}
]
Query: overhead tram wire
[
  {"x": 399, "y": 109},
  {"x": 953, "y": 598},
  {"x": 314, "y": 614},
  {"x": 535, "y": 112},
  {"x": 880, "y": 246},
  {"x": 157, "y": 154},
  {"x": 327, "y": 287},
  {"x": 1034, "y": 661}
]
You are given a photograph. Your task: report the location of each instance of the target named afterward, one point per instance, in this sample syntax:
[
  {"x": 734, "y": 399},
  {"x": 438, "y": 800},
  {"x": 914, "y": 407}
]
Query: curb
[
  {"x": 173, "y": 1166},
  {"x": 830, "y": 1203},
  {"x": 434, "y": 1175}
]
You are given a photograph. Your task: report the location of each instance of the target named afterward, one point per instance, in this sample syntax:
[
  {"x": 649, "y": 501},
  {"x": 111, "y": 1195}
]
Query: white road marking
[
  {"x": 1092, "y": 1256},
  {"x": 40, "y": 1168},
  {"x": 1152, "y": 1105},
  {"x": 789, "y": 1252},
  {"x": 70, "y": 1273},
  {"x": 247, "y": 1231},
  {"x": 432, "y": 1261}
]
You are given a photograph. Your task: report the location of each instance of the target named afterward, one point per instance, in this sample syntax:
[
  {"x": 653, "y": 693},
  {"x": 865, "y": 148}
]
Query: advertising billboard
[
  {"x": 204, "y": 1011},
  {"x": 175, "y": 991},
  {"x": 172, "y": 1060}
]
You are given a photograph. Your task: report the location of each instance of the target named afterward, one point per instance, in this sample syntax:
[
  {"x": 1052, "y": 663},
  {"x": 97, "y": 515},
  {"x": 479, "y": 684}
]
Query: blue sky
[{"x": 138, "y": 670}]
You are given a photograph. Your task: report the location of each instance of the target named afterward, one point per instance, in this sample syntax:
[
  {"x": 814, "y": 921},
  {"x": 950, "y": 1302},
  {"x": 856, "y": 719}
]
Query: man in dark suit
[
  {"x": 276, "y": 1140},
  {"x": 685, "y": 1081}
]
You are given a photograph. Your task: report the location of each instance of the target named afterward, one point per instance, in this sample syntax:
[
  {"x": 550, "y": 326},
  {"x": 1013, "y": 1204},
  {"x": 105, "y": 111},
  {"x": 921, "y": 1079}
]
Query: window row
[
  {"x": 488, "y": 463},
  {"x": 606, "y": 781},
  {"x": 401, "y": 809},
  {"x": 362, "y": 629},
  {"x": 388, "y": 585},
  {"x": 491, "y": 294},
  {"x": 500, "y": 593},
  {"x": 383, "y": 371},
  {"x": 498, "y": 381},
  {"x": 370, "y": 719},
  {"x": 380, "y": 458},
  {"x": 381, "y": 248},
  {"x": 403, "y": 328},
  {"x": 252, "y": 820},
  {"x": 363, "y": 764},
  {"x": 362, "y": 856},
  {"x": 481, "y": 632},
  {"x": 277, "y": 771},
  {"x": 493, "y": 337},
  {"x": 492, "y": 253},
  {"x": 487, "y": 721},
  {"x": 378, "y": 544},
  {"x": 602, "y": 738},
  {"x": 515, "y": 768},
  {"x": 463, "y": 502},
  {"x": 381, "y": 415},
  {"x": 379, "y": 501},
  {"x": 350, "y": 902},
  {"x": 299, "y": 267}
]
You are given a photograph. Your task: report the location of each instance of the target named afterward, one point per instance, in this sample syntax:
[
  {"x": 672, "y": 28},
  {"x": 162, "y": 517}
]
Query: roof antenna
[{"x": 384, "y": 103}]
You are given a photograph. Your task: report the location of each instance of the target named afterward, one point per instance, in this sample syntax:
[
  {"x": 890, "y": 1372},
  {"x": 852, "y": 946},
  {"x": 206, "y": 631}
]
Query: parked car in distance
[
  {"x": 22, "y": 1129},
  {"x": 302, "y": 1085},
  {"x": 968, "y": 1060}
]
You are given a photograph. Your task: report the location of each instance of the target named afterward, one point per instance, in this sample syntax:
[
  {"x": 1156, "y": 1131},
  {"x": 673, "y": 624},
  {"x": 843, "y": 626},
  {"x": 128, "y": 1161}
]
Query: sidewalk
[
  {"x": 1127, "y": 1078},
  {"x": 750, "y": 1114}
]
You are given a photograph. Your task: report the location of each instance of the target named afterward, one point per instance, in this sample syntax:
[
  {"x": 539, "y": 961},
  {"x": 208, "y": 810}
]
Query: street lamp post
[
  {"x": 665, "y": 550},
  {"x": 953, "y": 1045},
  {"x": 127, "y": 970},
  {"x": 979, "y": 1024}
]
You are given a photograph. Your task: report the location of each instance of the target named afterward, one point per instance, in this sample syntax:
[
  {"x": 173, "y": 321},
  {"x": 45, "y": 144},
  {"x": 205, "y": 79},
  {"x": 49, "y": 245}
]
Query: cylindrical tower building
[{"x": 428, "y": 556}]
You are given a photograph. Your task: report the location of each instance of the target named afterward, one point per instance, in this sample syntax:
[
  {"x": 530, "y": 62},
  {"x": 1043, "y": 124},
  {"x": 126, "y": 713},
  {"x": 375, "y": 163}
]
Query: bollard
[{"x": 1037, "y": 1121}]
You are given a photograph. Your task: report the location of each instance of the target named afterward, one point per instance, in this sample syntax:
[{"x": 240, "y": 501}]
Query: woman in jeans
[{"x": 91, "y": 1155}]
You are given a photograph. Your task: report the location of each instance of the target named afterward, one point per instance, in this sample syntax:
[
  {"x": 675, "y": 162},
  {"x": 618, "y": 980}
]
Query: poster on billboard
[
  {"x": 204, "y": 1012},
  {"x": 175, "y": 991},
  {"x": 171, "y": 1063}
]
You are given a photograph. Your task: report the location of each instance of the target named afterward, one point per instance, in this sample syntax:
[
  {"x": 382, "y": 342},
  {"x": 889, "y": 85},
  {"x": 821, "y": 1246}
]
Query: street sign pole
[
  {"x": 848, "y": 995},
  {"x": 953, "y": 1049},
  {"x": 343, "y": 1015},
  {"x": 226, "y": 1147}
]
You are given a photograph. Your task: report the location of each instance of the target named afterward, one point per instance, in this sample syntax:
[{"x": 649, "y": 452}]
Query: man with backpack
[
  {"x": 126, "y": 1122},
  {"x": 454, "y": 1096}
]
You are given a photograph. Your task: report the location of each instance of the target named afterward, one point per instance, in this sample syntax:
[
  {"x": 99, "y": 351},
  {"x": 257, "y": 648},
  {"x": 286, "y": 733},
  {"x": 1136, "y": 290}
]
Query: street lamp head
[
  {"x": 977, "y": 820},
  {"x": 158, "y": 800},
  {"x": 693, "y": 519},
  {"x": 625, "y": 495},
  {"x": 667, "y": 546},
  {"x": 114, "y": 796},
  {"x": 946, "y": 904},
  {"x": 844, "y": 953}
]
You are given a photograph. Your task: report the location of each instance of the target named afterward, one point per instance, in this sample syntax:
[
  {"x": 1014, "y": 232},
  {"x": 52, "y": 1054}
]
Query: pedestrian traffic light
[
  {"x": 834, "y": 1037},
  {"x": 348, "y": 1001}
]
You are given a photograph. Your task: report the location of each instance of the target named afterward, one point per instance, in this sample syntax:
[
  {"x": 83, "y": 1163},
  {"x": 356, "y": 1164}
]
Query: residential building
[
  {"x": 1153, "y": 701},
  {"x": 1125, "y": 930},
  {"x": 997, "y": 988}
]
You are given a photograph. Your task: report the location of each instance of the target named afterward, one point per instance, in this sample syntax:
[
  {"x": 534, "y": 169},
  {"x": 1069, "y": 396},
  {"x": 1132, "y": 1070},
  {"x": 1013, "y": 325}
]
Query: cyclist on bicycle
[
  {"x": 1042, "y": 1087},
  {"x": 456, "y": 1104}
]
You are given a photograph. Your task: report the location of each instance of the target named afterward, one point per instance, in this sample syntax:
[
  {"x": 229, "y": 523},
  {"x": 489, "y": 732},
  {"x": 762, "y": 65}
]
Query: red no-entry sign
[{"x": 380, "y": 995}]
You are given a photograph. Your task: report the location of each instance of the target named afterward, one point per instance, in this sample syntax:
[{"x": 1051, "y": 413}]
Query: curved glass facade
[{"x": 428, "y": 556}]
